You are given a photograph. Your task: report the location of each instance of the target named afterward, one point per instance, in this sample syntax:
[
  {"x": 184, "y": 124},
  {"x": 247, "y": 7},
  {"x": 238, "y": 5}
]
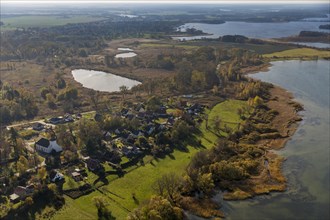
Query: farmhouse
[
  {"x": 47, "y": 146},
  {"x": 21, "y": 192}
]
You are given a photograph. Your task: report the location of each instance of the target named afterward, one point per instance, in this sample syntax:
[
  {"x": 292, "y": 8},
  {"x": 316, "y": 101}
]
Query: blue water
[
  {"x": 254, "y": 30},
  {"x": 307, "y": 165}
]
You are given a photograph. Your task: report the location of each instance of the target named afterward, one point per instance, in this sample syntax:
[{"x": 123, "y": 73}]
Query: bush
[{"x": 28, "y": 134}]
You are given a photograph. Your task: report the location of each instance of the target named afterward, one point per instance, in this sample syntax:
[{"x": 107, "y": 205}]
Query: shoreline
[{"x": 271, "y": 177}]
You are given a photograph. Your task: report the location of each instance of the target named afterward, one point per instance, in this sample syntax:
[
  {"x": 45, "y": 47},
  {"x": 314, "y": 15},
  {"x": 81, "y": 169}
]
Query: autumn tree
[
  {"x": 167, "y": 186},
  {"x": 103, "y": 212},
  {"x": 184, "y": 73},
  {"x": 89, "y": 135},
  {"x": 42, "y": 173},
  {"x": 157, "y": 208}
]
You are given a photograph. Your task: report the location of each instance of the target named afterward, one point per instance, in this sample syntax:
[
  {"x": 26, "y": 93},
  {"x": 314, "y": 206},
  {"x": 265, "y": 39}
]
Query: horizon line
[{"x": 167, "y": 2}]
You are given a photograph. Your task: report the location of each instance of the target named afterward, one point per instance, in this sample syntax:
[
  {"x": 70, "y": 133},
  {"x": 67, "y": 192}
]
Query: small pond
[
  {"x": 124, "y": 49},
  {"x": 102, "y": 81},
  {"x": 126, "y": 55}
]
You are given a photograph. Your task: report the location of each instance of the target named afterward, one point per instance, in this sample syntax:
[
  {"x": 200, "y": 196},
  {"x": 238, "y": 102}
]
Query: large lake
[
  {"x": 252, "y": 30},
  {"x": 307, "y": 166},
  {"x": 102, "y": 81}
]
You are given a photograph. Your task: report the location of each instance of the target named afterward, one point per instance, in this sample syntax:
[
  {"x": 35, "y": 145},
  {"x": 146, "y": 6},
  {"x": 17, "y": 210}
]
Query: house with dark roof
[
  {"x": 68, "y": 118},
  {"x": 38, "y": 126},
  {"x": 47, "y": 146},
  {"x": 76, "y": 176},
  {"x": 21, "y": 192},
  {"x": 57, "y": 120}
]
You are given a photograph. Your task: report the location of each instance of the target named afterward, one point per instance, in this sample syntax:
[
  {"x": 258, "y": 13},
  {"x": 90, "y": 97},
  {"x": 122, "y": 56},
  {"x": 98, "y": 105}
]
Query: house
[
  {"x": 21, "y": 192},
  {"x": 195, "y": 108},
  {"x": 141, "y": 110},
  {"x": 107, "y": 136},
  {"x": 81, "y": 171},
  {"x": 98, "y": 117},
  {"x": 38, "y": 127},
  {"x": 170, "y": 121},
  {"x": 47, "y": 146},
  {"x": 56, "y": 120},
  {"x": 14, "y": 198},
  {"x": 68, "y": 118},
  {"x": 150, "y": 129},
  {"x": 124, "y": 111},
  {"x": 55, "y": 176},
  {"x": 119, "y": 131},
  {"x": 76, "y": 176}
]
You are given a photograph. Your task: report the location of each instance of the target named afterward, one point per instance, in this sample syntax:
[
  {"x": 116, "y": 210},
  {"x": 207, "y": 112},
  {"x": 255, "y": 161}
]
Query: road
[{"x": 41, "y": 121}]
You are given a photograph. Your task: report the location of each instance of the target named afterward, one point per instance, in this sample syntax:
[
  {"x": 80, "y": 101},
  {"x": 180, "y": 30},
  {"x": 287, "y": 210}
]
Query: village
[{"x": 135, "y": 134}]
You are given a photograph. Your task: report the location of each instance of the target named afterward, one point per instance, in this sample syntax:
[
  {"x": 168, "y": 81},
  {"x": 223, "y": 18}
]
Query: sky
[{"x": 172, "y": 1}]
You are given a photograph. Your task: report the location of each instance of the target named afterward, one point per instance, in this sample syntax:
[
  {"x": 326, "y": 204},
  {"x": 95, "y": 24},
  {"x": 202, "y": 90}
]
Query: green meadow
[
  {"x": 139, "y": 181},
  {"x": 299, "y": 53}
]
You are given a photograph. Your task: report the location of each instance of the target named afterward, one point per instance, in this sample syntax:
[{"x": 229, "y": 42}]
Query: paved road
[{"x": 42, "y": 121}]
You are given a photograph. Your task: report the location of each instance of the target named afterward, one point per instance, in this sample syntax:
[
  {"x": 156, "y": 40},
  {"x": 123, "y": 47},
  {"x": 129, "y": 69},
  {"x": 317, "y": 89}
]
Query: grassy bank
[
  {"x": 299, "y": 53},
  {"x": 139, "y": 181}
]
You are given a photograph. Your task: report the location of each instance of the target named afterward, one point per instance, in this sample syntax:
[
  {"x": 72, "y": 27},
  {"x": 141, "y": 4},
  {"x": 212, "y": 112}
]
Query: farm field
[{"x": 44, "y": 21}]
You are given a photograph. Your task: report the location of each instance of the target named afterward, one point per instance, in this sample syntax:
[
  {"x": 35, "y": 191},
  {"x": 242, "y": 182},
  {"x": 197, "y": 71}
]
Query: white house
[
  {"x": 56, "y": 176},
  {"x": 47, "y": 146}
]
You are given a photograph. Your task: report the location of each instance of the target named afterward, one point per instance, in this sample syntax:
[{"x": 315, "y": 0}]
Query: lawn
[
  {"x": 139, "y": 181},
  {"x": 299, "y": 53},
  {"x": 44, "y": 21},
  {"x": 227, "y": 113}
]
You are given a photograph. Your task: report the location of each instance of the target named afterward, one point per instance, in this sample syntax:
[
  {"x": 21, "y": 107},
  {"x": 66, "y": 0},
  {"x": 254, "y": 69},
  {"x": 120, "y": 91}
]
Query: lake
[
  {"x": 252, "y": 30},
  {"x": 307, "y": 153},
  {"x": 102, "y": 81},
  {"x": 313, "y": 44}
]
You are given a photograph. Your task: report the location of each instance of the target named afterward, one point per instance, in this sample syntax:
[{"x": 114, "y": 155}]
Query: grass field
[
  {"x": 227, "y": 113},
  {"x": 153, "y": 45},
  {"x": 299, "y": 53},
  {"x": 44, "y": 21},
  {"x": 139, "y": 181}
]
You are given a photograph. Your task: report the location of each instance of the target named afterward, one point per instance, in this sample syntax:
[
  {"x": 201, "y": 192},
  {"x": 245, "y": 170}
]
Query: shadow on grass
[
  {"x": 171, "y": 156},
  {"x": 41, "y": 201}
]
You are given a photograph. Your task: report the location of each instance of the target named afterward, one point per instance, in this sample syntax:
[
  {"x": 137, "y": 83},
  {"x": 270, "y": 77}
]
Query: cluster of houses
[
  {"x": 120, "y": 142},
  {"x": 152, "y": 123},
  {"x": 21, "y": 192},
  {"x": 55, "y": 176}
]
